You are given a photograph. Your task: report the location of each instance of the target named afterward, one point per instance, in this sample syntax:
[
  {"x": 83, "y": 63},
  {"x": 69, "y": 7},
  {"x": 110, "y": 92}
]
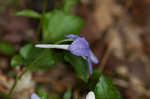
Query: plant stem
[
  {"x": 41, "y": 19},
  {"x": 16, "y": 81},
  {"x": 37, "y": 35}
]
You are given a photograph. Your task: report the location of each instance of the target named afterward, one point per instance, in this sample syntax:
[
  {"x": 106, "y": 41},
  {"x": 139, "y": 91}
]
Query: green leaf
[
  {"x": 17, "y": 61},
  {"x": 28, "y": 13},
  {"x": 37, "y": 58},
  {"x": 94, "y": 79},
  {"x": 68, "y": 4},
  {"x": 67, "y": 94},
  {"x": 7, "y": 48},
  {"x": 29, "y": 52},
  {"x": 106, "y": 90},
  {"x": 80, "y": 65},
  {"x": 45, "y": 60},
  {"x": 43, "y": 94},
  {"x": 56, "y": 96},
  {"x": 57, "y": 24}
]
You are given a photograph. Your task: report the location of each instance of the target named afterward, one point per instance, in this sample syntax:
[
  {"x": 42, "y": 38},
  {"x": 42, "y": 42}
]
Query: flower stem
[
  {"x": 16, "y": 81},
  {"x": 62, "y": 41}
]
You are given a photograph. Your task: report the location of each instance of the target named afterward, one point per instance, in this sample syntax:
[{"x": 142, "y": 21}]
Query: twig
[{"x": 104, "y": 60}]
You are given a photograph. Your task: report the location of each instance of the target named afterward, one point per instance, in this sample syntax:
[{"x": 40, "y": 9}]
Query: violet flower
[
  {"x": 35, "y": 96},
  {"x": 78, "y": 47},
  {"x": 90, "y": 95}
]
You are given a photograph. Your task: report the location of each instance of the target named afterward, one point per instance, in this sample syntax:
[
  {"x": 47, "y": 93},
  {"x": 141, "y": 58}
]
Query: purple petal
[
  {"x": 79, "y": 47},
  {"x": 90, "y": 66},
  {"x": 93, "y": 58},
  {"x": 72, "y": 36},
  {"x": 35, "y": 96}
]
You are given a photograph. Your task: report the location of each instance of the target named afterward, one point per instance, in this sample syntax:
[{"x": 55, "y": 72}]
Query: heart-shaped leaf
[
  {"x": 106, "y": 90},
  {"x": 79, "y": 64},
  {"x": 17, "y": 60},
  {"x": 35, "y": 58},
  {"x": 57, "y": 24}
]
